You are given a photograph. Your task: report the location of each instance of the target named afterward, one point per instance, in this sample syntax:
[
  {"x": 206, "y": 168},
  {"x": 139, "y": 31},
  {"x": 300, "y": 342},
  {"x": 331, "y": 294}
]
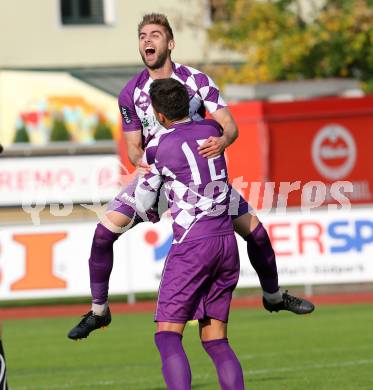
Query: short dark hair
[
  {"x": 159, "y": 19},
  {"x": 170, "y": 98}
]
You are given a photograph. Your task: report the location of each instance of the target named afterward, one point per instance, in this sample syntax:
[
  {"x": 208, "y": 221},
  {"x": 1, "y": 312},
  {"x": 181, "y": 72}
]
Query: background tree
[
  {"x": 279, "y": 43},
  {"x": 21, "y": 135},
  {"x": 59, "y": 131},
  {"x": 102, "y": 131}
]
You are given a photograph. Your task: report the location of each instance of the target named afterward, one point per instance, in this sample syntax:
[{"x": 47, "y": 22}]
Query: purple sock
[
  {"x": 263, "y": 258},
  {"x": 175, "y": 365},
  {"x": 227, "y": 365},
  {"x": 101, "y": 263}
]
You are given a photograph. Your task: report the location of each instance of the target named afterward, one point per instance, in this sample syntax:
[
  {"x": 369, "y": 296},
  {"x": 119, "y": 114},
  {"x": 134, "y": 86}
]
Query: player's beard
[{"x": 161, "y": 60}]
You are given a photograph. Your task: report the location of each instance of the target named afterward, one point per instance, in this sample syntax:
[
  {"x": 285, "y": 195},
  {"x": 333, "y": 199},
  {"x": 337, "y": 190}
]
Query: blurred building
[
  {"x": 71, "y": 58},
  {"x": 58, "y": 34}
]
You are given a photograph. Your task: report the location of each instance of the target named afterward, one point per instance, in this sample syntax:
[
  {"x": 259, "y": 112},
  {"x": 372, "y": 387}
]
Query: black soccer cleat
[
  {"x": 89, "y": 323},
  {"x": 290, "y": 303}
]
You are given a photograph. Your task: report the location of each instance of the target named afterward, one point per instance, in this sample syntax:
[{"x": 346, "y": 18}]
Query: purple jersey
[
  {"x": 196, "y": 187},
  {"x": 135, "y": 105}
]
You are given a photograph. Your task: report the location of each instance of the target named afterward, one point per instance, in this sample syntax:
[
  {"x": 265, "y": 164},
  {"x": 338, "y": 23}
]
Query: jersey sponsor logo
[
  {"x": 145, "y": 122},
  {"x": 126, "y": 114},
  {"x": 128, "y": 198}
]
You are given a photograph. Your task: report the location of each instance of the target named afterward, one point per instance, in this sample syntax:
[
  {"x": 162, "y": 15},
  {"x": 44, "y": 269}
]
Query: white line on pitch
[
  {"x": 247, "y": 373},
  {"x": 309, "y": 351}
]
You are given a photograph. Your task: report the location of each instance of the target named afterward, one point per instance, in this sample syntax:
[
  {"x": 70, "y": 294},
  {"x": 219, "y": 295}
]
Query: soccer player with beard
[
  {"x": 139, "y": 124},
  {"x": 202, "y": 267}
]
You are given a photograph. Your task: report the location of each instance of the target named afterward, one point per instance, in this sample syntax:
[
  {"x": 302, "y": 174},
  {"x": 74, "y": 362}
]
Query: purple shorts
[
  {"x": 124, "y": 203},
  {"x": 198, "y": 279}
]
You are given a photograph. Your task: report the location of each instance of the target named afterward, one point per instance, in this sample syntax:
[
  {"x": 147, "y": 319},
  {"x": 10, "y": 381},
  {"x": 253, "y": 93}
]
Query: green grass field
[{"x": 330, "y": 349}]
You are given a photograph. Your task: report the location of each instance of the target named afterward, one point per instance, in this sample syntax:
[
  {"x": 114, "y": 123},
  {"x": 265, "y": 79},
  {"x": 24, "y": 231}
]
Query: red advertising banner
[
  {"x": 308, "y": 150},
  {"x": 326, "y": 141},
  {"x": 311, "y": 151}
]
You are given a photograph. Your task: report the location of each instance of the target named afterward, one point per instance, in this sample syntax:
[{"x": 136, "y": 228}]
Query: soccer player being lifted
[
  {"x": 202, "y": 267},
  {"x": 139, "y": 123}
]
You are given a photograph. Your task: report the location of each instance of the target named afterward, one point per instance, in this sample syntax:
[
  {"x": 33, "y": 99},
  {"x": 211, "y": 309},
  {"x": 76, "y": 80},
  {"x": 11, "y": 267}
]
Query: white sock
[
  {"x": 99, "y": 310},
  {"x": 273, "y": 297}
]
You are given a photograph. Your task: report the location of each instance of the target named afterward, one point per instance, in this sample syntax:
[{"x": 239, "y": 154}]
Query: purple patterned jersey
[
  {"x": 196, "y": 187},
  {"x": 135, "y": 105}
]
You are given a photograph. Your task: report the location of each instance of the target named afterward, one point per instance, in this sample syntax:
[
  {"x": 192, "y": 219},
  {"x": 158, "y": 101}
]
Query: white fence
[{"x": 52, "y": 260}]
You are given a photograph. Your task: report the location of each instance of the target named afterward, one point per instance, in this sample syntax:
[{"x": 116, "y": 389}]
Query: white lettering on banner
[
  {"x": 320, "y": 247},
  {"x": 69, "y": 179},
  {"x": 23, "y": 180}
]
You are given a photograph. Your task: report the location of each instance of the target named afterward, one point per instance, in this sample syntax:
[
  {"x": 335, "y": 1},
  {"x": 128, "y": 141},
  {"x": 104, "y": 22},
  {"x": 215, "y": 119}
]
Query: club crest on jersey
[
  {"x": 126, "y": 115},
  {"x": 143, "y": 101}
]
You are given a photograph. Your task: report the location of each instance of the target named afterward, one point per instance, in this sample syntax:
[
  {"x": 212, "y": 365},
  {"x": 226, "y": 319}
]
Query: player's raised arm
[
  {"x": 134, "y": 147},
  {"x": 226, "y": 121},
  {"x": 215, "y": 146},
  {"x": 131, "y": 125},
  {"x": 216, "y": 106}
]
